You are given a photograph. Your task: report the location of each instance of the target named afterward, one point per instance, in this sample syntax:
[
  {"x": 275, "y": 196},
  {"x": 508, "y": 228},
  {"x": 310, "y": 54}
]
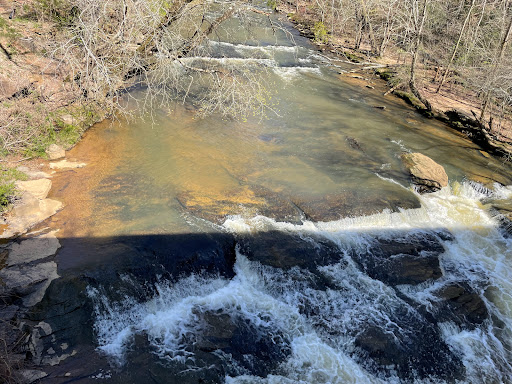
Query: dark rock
[
  {"x": 417, "y": 351},
  {"x": 461, "y": 304},
  {"x": 354, "y": 143},
  {"x": 350, "y": 204},
  {"x": 285, "y": 251},
  {"x": 257, "y": 349},
  {"x": 410, "y": 259}
]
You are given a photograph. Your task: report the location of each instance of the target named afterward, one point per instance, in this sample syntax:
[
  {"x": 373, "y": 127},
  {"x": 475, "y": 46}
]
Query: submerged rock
[
  {"x": 426, "y": 174},
  {"x": 64, "y": 164}
]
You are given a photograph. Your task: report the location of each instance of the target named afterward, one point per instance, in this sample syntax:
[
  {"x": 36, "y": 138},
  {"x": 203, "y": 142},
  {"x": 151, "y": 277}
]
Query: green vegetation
[
  {"x": 320, "y": 32},
  {"x": 8, "y": 177},
  {"x": 410, "y": 99}
]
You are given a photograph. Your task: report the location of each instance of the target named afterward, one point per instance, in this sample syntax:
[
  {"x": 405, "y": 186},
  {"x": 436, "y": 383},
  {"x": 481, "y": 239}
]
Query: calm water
[{"x": 213, "y": 250}]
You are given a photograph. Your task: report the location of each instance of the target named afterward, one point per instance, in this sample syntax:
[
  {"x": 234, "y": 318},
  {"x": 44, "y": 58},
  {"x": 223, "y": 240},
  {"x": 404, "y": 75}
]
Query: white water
[{"x": 321, "y": 344}]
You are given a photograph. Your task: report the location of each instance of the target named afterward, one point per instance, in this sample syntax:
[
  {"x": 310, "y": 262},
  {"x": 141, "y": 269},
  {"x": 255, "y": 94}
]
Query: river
[{"x": 287, "y": 249}]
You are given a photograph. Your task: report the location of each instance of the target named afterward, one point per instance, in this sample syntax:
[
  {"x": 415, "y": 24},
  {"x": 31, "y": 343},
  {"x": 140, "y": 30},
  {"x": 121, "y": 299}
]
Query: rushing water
[{"x": 286, "y": 250}]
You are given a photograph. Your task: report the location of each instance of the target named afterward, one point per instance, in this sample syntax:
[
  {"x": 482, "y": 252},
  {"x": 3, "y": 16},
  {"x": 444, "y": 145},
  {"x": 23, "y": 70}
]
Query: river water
[{"x": 290, "y": 249}]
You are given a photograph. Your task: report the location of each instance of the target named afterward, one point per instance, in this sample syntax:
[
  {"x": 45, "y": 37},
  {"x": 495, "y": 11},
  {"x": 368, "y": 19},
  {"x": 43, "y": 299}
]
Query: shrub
[{"x": 320, "y": 32}]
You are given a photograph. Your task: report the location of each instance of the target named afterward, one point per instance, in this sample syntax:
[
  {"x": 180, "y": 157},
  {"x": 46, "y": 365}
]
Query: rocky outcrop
[{"x": 426, "y": 174}]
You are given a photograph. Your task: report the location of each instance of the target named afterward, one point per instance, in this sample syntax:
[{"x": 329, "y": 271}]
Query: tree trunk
[
  {"x": 496, "y": 66},
  {"x": 412, "y": 79},
  {"x": 447, "y": 70}
]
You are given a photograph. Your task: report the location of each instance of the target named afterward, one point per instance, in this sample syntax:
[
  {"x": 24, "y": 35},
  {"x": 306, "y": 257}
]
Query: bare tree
[{"x": 113, "y": 45}]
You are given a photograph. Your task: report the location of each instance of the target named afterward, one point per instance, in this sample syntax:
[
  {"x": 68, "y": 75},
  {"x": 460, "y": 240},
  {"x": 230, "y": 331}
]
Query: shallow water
[{"x": 244, "y": 252}]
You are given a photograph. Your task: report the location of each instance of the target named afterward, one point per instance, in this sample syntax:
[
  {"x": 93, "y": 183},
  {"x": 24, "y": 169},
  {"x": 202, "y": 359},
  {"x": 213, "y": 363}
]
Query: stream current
[{"x": 287, "y": 250}]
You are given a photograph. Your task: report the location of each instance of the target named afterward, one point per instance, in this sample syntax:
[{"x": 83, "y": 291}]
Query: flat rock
[
  {"x": 32, "y": 375},
  {"x": 33, "y": 249},
  {"x": 55, "y": 152},
  {"x": 34, "y": 174},
  {"x": 28, "y": 281},
  {"x": 426, "y": 174},
  {"x": 39, "y": 188},
  {"x": 64, "y": 164},
  {"x": 29, "y": 212}
]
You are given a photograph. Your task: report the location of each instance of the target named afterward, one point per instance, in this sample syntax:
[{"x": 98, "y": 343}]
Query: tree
[{"x": 112, "y": 45}]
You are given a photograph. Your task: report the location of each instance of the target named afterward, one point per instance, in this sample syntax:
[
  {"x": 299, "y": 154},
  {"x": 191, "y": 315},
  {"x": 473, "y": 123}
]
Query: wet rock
[
  {"x": 256, "y": 348},
  {"x": 354, "y": 143},
  {"x": 337, "y": 206},
  {"x": 64, "y": 164},
  {"x": 417, "y": 351},
  {"x": 408, "y": 259},
  {"x": 55, "y": 152},
  {"x": 285, "y": 251},
  {"x": 33, "y": 249},
  {"x": 251, "y": 200},
  {"x": 461, "y": 304},
  {"x": 38, "y": 188},
  {"x": 426, "y": 174},
  {"x": 502, "y": 211}
]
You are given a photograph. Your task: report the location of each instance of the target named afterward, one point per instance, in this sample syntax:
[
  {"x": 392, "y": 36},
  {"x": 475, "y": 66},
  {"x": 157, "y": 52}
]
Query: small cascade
[{"x": 317, "y": 305}]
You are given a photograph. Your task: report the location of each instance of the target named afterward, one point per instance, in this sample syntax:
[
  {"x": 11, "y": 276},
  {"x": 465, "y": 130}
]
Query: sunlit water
[{"x": 323, "y": 169}]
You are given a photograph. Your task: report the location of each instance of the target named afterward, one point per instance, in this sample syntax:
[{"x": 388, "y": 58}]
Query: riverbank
[{"x": 455, "y": 105}]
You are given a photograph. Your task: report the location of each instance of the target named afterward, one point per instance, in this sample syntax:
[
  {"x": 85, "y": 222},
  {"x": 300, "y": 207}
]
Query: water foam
[{"x": 320, "y": 324}]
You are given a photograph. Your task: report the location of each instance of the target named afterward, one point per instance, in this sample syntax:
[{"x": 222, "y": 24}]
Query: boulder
[
  {"x": 55, "y": 152},
  {"x": 38, "y": 188},
  {"x": 426, "y": 174}
]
